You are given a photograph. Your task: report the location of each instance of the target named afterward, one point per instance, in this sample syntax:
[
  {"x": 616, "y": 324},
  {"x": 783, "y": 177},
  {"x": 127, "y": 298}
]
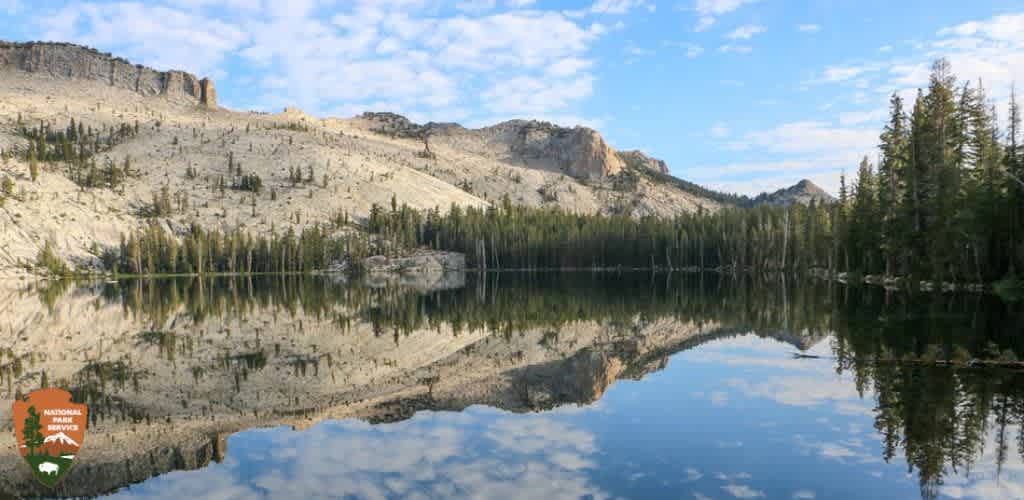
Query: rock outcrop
[
  {"x": 580, "y": 151},
  {"x": 639, "y": 160},
  {"x": 420, "y": 262},
  {"x": 423, "y": 271},
  {"x": 74, "y": 62},
  {"x": 207, "y": 93}
]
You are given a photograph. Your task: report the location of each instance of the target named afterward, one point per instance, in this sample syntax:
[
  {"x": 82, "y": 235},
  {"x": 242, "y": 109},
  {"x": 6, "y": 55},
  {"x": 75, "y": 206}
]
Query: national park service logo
[{"x": 50, "y": 429}]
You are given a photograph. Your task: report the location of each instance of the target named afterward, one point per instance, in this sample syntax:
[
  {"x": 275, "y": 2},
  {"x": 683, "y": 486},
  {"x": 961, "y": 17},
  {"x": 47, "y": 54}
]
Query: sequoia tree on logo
[{"x": 50, "y": 430}]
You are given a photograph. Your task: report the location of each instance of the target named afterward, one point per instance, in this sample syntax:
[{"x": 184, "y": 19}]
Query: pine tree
[
  {"x": 891, "y": 184},
  {"x": 31, "y": 431},
  {"x": 1014, "y": 161},
  {"x": 863, "y": 227}
]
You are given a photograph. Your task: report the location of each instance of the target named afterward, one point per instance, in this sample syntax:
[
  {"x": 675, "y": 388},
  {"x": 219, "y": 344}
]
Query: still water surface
[{"x": 545, "y": 386}]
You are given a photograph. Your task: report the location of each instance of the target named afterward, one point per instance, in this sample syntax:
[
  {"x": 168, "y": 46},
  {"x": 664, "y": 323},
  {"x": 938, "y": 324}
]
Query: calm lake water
[{"x": 527, "y": 386}]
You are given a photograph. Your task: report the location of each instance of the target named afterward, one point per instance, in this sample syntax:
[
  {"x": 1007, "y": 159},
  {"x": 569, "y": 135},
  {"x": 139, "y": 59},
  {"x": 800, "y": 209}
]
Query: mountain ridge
[
  {"x": 71, "y": 61},
  {"x": 181, "y": 149}
]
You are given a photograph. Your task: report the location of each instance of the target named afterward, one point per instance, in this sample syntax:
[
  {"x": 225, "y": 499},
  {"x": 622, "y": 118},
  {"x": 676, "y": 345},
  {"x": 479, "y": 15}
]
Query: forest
[{"x": 945, "y": 202}]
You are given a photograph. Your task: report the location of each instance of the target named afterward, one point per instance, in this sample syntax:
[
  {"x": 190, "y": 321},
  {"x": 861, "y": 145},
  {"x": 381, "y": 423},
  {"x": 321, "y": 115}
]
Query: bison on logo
[{"x": 49, "y": 429}]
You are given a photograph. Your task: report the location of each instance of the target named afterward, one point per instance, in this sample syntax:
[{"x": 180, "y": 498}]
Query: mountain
[
  {"x": 802, "y": 192},
  {"x": 178, "y": 143},
  {"x": 59, "y": 444},
  {"x": 60, "y": 438}
]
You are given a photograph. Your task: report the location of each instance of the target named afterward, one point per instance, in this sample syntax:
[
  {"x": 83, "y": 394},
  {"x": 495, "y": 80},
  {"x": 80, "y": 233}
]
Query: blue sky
[{"x": 741, "y": 95}]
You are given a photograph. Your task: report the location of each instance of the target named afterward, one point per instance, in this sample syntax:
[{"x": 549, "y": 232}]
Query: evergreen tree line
[
  {"x": 519, "y": 237},
  {"x": 155, "y": 251}
]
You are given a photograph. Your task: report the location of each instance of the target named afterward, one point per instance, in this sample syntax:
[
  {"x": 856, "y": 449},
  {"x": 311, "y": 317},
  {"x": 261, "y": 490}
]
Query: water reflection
[
  {"x": 722, "y": 408},
  {"x": 478, "y": 454}
]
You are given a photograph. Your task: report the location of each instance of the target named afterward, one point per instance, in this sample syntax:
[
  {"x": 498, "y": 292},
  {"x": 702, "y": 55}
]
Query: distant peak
[{"x": 802, "y": 192}]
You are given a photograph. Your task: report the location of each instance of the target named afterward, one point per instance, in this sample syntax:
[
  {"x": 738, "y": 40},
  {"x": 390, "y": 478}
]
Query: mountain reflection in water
[{"x": 521, "y": 385}]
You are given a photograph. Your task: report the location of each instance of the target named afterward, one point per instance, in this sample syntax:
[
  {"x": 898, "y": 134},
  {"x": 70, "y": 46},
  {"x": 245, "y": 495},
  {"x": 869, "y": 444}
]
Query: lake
[{"x": 519, "y": 385}]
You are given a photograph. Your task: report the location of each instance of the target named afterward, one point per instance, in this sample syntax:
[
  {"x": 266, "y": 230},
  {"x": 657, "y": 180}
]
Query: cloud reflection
[{"x": 475, "y": 454}]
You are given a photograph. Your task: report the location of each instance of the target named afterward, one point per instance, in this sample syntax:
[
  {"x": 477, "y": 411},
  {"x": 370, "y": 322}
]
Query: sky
[{"x": 739, "y": 95}]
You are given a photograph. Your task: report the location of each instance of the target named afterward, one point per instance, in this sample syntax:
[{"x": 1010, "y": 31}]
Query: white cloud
[
  {"x": 369, "y": 53},
  {"x": 155, "y": 35},
  {"x": 835, "y": 74},
  {"x": 990, "y": 50},
  {"x": 1009, "y": 28},
  {"x": 532, "y": 96},
  {"x": 692, "y": 50},
  {"x": 811, "y": 137},
  {"x": 620, "y": 6},
  {"x": 745, "y": 32},
  {"x": 568, "y": 66},
  {"x": 736, "y": 49},
  {"x": 804, "y": 495},
  {"x": 808, "y": 28},
  {"x": 475, "y": 5},
  {"x": 709, "y": 10},
  {"x": 720, "y": 130},
  {"x": 742, "y": 491},
  {"x": 851, "y": 118}
]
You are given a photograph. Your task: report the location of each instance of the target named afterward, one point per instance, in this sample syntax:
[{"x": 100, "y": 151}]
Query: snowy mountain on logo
[
  {"x": 59, "y": 444},
  {"x": 60, "y": 438}
]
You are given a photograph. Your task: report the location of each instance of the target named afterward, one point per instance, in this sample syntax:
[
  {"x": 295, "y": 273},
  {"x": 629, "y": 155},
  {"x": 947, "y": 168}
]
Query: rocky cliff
[
  {"x": 639, "y": 160},
  {"x": 74, "y": 62},
  {"x": 580, "y": 151}
]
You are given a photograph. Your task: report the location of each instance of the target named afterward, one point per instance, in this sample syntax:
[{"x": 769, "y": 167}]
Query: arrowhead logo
[{"x": 49, "y": 429}]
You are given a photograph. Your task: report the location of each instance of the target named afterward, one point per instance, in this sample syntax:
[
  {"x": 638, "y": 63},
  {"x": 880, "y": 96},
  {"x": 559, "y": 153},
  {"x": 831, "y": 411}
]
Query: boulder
[{"x": 425, "y": 262}]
